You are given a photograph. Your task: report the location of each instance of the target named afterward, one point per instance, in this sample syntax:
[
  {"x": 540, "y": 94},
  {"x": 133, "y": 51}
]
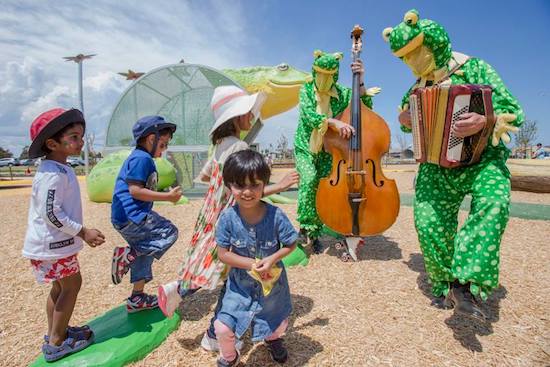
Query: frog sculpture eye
[
  {"x": 386, "y": 33},
  {"x": 317, "y": 53},
  {"x": 282, "y": 67},
  {"x": 410, "y": 18}
]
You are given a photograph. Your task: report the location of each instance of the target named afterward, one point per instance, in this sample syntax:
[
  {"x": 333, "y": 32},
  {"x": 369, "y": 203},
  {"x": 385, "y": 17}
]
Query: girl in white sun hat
[{"x": 234, "y": 111}]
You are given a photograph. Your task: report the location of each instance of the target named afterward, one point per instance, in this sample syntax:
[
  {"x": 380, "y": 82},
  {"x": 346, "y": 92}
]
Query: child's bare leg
[
  {"x": 63, "y": 309},
  {"x": 50, "y": 304},
  {"x": 226, "y": 340},
  {"x": 138, "y": 286},
  {"x": 279, "y": 331}
]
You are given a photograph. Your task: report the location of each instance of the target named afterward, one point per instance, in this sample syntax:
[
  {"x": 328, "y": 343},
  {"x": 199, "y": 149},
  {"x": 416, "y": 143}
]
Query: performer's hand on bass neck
[{"x": 357, "y": 67}]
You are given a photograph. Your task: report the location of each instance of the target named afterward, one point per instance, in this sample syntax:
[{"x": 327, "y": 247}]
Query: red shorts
[{"x": 47, "y": 271}]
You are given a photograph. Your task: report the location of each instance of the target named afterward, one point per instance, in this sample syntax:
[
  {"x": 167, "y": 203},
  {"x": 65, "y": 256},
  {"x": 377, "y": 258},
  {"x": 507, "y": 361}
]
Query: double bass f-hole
[
  {"x": 376, "y": 183},
  {"x": 340, "y": 163}
]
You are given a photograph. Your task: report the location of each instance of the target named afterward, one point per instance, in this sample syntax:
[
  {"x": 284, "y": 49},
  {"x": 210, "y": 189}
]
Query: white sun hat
[{"x": 230, "y": 101}]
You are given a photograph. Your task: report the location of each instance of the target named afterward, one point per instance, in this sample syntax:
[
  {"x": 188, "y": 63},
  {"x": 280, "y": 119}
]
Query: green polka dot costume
[
  {"x": 313, "y": 166},
  {"x": 469, "y": 254}
]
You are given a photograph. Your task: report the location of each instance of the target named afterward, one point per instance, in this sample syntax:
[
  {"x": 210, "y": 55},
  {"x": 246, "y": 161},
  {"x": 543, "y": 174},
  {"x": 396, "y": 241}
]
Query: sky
[{"x": 512, "y": 36}]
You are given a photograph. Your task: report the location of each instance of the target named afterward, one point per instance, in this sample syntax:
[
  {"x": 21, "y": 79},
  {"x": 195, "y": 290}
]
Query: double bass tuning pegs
[{"x": 357, "y": 31}]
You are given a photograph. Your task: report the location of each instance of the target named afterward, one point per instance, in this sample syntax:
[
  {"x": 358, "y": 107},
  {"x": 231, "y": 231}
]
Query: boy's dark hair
[
  {"x": 162, "y": 132},
  {"x": 57, "y": 136},
  {"x": 245, "y": 164},
  {"x": 224, "y": 130}
]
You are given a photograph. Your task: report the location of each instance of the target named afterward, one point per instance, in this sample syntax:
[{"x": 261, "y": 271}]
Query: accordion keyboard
[
  {"x": 417, "y": 144},
  {"x": 454, "y": 148}
]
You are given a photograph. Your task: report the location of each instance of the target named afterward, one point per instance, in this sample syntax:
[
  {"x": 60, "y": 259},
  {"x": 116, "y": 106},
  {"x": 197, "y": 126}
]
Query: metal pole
[
  {"x": 79, "y": 59},
  {"x": 81, "y": 97}
]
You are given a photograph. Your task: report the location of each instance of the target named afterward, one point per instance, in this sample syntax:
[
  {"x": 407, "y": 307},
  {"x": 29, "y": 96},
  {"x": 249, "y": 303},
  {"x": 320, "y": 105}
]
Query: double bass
[{"x": 356, "y": 199}]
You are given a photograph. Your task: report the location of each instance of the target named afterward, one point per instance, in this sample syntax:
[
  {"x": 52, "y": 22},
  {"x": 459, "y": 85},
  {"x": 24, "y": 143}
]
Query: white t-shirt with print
[{"x": 55, "y": 213}]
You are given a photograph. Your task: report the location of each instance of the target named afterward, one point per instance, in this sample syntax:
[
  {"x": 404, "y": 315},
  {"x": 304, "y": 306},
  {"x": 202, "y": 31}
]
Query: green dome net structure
[{"x": 181, "y": 93}]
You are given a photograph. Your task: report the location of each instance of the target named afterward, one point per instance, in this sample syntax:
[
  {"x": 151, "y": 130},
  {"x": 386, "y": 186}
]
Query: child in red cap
[{"x": 55, "y": 231}]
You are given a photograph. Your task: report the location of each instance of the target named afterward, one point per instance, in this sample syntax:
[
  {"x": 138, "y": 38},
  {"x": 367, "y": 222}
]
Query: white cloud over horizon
[{"x": 36, "y": 35}]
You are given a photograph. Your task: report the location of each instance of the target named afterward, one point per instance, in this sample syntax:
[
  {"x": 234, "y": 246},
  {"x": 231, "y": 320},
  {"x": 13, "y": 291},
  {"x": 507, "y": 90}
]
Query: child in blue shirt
[
  {"x": 252, "y": 238},
  {"x": 148, "y": 234}
]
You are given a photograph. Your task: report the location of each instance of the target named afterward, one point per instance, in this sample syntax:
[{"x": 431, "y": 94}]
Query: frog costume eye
[
  {"x": 411, "y": 18},
  {"x": 282, "y": 67},
  {"x": 317, "y": 53},
  {"x": 338, "y": 56},
  {"x": 386, "y": 33}
]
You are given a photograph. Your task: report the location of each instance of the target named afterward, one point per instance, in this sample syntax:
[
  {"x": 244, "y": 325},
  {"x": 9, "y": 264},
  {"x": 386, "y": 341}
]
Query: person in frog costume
[
  {"x": 321, "y": 100},
  {"x": 463, "y": 264}
]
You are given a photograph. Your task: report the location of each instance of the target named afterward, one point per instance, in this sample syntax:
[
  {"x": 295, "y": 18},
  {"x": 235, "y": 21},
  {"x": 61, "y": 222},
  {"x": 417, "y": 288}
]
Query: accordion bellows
[{"x": 435, "y": 110}]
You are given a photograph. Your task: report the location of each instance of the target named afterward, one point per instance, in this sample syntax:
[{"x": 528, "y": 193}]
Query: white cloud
[
  {"x": 283, "y": 124},
  {"x": 34, "y": 36},
  {"x": 58, "y": 96}
]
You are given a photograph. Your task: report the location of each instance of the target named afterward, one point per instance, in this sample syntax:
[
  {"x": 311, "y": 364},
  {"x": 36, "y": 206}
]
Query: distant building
[{"x": 398, "y": 153}]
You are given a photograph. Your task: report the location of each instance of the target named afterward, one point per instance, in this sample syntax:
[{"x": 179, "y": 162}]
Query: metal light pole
[{"x": 79, "y": 59}]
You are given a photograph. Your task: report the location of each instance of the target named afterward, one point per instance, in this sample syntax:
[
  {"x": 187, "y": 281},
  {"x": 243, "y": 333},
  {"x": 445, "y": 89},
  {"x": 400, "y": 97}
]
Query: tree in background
[
  {"x": 526, "y": 136},
  {"x": 24, "y": 153},
  {"x": 282, "y": 146},
  {"x": 5, "y": 153}
]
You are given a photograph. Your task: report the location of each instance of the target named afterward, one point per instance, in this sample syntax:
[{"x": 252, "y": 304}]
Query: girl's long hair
[{"x": 224, "y": 130}]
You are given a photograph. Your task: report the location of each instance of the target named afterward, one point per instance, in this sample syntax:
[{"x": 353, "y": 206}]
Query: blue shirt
[
  {"x": 539, "y": 154},
  {"x": 244, "y": 302},
  {"x": 138, "y": 168}
]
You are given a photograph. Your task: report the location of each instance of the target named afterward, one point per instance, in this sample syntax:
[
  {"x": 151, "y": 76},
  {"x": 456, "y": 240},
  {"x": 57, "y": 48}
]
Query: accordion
[{"x": 435, "y": 110}]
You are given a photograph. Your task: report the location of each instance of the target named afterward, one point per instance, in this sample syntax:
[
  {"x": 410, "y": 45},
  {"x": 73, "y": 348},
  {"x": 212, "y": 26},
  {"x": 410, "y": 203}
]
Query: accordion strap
[{"x": 458, "y": 59}]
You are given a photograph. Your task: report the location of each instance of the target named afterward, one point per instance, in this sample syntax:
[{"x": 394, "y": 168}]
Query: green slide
[
  {"x": 120, "y": 338},
  {"x": 101, "y": 180},
  {"x": 296, "y": 257}
]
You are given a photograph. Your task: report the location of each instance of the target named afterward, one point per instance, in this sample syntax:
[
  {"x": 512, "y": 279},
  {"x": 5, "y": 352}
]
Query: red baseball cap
[{"x": 47, "y": 124}]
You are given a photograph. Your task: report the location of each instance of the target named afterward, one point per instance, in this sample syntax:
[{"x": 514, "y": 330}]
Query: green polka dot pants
[
  {"x": 311, "y": 168},
  {"x": 470, "y": 255}
]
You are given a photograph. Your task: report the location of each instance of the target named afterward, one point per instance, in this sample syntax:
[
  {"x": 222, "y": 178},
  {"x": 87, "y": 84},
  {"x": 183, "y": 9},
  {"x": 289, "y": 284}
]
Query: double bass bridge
[{"x": 362, "y": 172}]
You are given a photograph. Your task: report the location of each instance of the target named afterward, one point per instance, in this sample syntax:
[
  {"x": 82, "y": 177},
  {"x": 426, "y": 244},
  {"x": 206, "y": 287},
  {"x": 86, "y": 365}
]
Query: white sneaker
[
  {"x": 168, "y": 298},
  {"x": 211, "y": 344}
]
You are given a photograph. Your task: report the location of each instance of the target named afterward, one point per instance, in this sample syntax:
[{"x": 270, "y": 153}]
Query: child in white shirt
[{"x": 55, "y": 231}]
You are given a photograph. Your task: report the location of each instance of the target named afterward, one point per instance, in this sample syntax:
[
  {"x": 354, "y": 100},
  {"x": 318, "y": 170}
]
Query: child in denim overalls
[
  {"x": 252, "y": 237},
  {"x": 234, "y": 111}
]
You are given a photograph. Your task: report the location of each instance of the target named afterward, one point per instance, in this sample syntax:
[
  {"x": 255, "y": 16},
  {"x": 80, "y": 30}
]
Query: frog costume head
[
  {"x": 422, "y": 44},
  {"x": 325, "y": 70}
]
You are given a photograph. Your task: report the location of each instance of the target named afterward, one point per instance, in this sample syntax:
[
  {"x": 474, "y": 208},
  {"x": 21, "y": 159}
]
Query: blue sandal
[
  {"x": 77, "y": 332},
  {"x": 69, "y": 346},
  {"x": 80, "y": 332}
]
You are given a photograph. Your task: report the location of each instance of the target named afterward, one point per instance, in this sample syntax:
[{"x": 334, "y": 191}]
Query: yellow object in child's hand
[{"x": 267, "y": 279}]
